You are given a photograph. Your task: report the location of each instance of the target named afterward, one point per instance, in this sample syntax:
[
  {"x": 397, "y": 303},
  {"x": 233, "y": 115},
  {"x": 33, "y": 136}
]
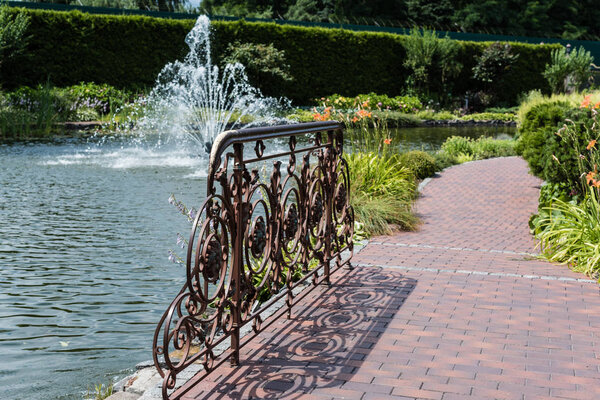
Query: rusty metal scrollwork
[{"x": 256, "y": 238}]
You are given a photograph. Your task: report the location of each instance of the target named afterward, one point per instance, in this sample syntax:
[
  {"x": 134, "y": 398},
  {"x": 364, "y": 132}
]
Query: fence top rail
[{"x": 228, "y": 138}]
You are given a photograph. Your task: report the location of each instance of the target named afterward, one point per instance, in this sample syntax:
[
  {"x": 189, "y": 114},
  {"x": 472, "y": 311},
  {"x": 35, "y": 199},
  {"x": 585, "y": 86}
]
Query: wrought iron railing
[{"x": 255, "y": 241}]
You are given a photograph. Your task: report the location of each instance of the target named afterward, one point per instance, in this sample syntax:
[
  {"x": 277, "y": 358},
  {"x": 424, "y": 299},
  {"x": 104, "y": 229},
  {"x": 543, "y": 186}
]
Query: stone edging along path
[{"x": 459, "y": 309}]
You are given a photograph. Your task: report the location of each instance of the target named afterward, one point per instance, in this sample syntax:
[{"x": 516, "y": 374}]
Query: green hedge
[{"x": 129, "y": 51}]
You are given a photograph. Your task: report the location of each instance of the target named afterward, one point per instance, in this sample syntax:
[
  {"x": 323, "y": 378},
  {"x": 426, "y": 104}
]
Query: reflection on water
[{"x": 84, "y": 274}]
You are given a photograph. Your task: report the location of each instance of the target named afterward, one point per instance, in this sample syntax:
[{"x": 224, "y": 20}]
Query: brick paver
[{"x": 457, "y": 310}]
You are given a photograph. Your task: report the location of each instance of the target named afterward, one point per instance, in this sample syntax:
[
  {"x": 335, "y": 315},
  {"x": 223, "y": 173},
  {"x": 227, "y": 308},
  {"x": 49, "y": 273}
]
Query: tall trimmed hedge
[{"x": 129, "y": 51}]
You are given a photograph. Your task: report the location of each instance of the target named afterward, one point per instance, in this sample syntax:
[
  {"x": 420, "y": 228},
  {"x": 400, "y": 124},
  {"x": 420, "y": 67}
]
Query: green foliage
[
  {"x": 100, "y": 392},
  {"x": 569, "y": 233},
  {"x": 436, "y": 116},
  {"x": 422, "y": 164},
  {"x": 382, "y": 192},
  {"x": 567, "y": 72},
  {"x": 464, "y": 149},
  {"x": 489, "y": 116},
  {"x": 491, "y": 68},
  {"x": 103, "y": 99},
  {"x": 263, "y": 62},
  {"x": 538, "y": 141},
  {"x": 71, "y": 47},
  {"x": 493, "y": 64},
  {"x": 431, "y": 61},
  {"x": 13, "y": 27},
  {"x": 455, "y": 145},
  {"x": 443, "y": 160},
  {"x": 372, "y": 101}
]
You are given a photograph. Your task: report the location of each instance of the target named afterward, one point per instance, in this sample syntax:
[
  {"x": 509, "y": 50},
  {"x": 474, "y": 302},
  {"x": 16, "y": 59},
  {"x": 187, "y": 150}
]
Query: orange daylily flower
[
  {"x": 586, "y": 101},
  {"x": 597, "y": 105},
  {"x": 590, "y": 177},
  {"x": 596, "y": 184},
  {"x": 387, "y": 141},
  {"x": 355, "y": 119},
  {"x": 591, "y": 144}
]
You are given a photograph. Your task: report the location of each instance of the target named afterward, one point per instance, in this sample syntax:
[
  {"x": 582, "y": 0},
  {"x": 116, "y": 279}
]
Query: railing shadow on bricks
[
  {"x": 255, "y": 242},
  {"x": 332, "y": 347}
]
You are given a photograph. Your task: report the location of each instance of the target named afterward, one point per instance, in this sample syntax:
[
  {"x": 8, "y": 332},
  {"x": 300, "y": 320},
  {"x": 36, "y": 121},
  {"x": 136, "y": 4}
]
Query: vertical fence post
[
  {"x": 329, "y": 189},
  {"x": 236, "y": 271}
]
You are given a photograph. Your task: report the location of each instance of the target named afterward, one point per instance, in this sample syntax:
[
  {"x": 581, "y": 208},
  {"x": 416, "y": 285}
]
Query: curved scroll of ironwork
[{"x": 259, "y": 235}]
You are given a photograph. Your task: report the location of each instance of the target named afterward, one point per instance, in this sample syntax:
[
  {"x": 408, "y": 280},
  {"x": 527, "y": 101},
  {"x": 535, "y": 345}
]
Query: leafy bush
[
  {"x": 103, "y": 99},
  {"x": 494, "y": 63},
  {"x": 262, "y": 62},
  {"x": 432, "y": 62},
  {"x": 547, "y": 153},
  {"x": 382, "y": 192},
  {"x": 455, "y": 145},
  {"x": 491, "y": 68},
  {"x": 443, "y": 160},
  {"x": 372, "y": 101},
  {"x": 567, "y": 72},
  {"x": 463, "y": 149},
  {"x": 422, "y": 164}
]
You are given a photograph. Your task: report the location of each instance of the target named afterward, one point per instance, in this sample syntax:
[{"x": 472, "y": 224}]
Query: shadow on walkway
[{"x": 319, "y": 349}]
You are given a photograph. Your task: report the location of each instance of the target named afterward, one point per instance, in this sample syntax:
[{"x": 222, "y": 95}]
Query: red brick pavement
[{"x": 456, "y": 310}]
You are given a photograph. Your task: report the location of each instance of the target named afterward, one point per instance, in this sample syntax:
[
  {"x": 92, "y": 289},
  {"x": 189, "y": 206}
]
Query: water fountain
[{"x": 194, "y": 100}]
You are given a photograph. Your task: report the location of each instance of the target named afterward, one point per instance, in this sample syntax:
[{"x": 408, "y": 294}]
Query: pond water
[{"x": 85, "y": 230}]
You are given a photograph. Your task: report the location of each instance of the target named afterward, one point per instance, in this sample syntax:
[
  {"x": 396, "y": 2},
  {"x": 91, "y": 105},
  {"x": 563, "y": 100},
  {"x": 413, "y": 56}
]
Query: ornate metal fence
[{"x": 261, "y": 232}]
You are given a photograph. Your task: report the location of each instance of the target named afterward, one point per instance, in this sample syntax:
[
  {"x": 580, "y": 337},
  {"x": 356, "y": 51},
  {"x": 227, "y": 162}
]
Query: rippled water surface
[
  {"x": 84, "y": 275},
  {"x": 85, "y": 230}
]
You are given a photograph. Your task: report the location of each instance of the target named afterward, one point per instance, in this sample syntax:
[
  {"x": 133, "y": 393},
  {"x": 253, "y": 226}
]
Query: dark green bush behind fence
[{"x": 129, "y": 51}]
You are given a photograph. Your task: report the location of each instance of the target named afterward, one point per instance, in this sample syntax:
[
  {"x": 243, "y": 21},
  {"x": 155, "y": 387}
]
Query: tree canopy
[{"x": 567, "y": 19}]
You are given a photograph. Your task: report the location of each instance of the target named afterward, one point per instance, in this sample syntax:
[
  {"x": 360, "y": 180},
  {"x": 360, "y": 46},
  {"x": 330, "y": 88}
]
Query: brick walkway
[{"x": 456, "y": 310}]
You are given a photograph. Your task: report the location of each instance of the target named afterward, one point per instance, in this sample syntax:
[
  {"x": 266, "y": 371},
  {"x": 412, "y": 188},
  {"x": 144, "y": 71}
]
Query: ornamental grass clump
[{"x": 382, "y": 192}]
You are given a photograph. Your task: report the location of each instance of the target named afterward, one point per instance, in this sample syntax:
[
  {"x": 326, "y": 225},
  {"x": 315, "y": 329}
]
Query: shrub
[
  {"x": 443, "y": 160},
  {"x": 372, "y": 101},
  {"x": 567, "y": 72},
  {"x": 491, "y": 68},
  {"x": 262, "y": 62},
  {"x": 455, "y": 145},
  {"x": 432, "y": 62},
  {"x": 103, "y": 99},
  {"x": 464, "y": 149},
  {"x": 423, "y": 165},
  {"x": 546, "y": 152}
]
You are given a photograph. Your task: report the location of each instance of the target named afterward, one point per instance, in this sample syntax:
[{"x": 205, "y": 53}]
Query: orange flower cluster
[
  {"x": 360, "y": 114},
  {"x": 587, "y": 102},
  {"x": 326, "y": 116},
  {"x": 593, "y": 179}
]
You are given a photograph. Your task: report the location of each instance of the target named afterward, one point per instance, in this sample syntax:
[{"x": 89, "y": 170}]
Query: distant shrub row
[{"x": 129, "y": 51}]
